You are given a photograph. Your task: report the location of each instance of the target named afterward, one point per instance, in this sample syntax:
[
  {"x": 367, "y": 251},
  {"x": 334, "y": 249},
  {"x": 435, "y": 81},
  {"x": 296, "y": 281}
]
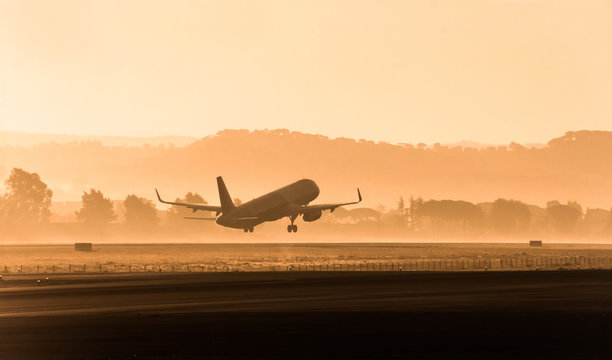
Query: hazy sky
[{"x": 401, "y": 71}]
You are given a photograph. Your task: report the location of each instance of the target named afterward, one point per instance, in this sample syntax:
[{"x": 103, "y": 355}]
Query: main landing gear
[
  {"x": 292, "y": 227},
  {"x": 248, "y": 229}
]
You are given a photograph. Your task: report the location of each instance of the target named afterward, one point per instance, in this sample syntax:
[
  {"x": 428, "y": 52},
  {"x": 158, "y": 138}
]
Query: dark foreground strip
[
  {"x": 529, "y": 315},
  {"x": 297, "y": 335}
]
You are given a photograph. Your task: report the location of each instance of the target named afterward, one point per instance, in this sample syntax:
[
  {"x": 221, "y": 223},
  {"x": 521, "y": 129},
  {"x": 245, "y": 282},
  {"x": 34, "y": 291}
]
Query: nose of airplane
[{"x": 314, "y": 187}]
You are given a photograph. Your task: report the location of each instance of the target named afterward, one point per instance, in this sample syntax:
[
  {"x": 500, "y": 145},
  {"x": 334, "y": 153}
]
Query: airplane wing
[
  {"x": 194, "y": 207},
  {"x": 331, "y": 207}
]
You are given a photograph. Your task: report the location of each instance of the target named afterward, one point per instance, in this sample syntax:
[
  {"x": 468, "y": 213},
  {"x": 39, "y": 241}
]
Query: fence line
[{"x": 411, "y": 265}]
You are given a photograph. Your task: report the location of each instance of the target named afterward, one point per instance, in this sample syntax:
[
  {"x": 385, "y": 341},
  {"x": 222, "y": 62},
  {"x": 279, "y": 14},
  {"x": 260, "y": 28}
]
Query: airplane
[{"x": 289, "y": 201}]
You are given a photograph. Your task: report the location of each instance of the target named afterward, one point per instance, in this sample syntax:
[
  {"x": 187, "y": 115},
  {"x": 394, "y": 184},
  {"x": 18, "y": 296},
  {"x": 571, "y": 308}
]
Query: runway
[{"x": 562, "y": 314}]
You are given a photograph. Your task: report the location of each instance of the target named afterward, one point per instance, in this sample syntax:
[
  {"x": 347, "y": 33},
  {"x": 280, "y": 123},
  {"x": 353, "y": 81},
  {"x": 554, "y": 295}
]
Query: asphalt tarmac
[{"x": 552, "y": 314}]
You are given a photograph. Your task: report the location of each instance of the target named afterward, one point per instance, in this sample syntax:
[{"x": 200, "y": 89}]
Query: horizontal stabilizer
[
  {"x": 194, "y": 207},
  {"x": 199, "y": 218}
]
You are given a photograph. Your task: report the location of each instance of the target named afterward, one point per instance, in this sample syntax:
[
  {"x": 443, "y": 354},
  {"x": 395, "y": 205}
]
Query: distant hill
[
  {"x": 17, "y": 138},
  {"x": 481, "y": 146},
  {"x": 575, "y": 166}
]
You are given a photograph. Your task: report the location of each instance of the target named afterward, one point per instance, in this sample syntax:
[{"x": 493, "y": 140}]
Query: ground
[
  {"x": 503, "y": 314},
  {"x": 277, "y": 256}
]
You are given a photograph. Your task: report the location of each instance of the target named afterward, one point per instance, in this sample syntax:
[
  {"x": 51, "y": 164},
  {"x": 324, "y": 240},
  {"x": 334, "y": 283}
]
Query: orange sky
[{"x": 401, "y": 71}]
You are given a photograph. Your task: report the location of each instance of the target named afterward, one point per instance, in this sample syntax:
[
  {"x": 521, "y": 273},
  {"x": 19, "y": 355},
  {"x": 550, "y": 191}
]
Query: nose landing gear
[{"x": 248, "y": 229}]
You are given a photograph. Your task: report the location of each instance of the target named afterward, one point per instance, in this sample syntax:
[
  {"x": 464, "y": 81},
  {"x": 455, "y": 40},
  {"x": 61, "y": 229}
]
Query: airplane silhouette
[{"x": 289, "y": 201}]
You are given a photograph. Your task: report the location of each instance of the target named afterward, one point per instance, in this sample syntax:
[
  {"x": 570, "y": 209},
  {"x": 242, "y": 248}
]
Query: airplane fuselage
[
  {"x": 271, "y": 206},
  {"x": 289, "y": 201}
]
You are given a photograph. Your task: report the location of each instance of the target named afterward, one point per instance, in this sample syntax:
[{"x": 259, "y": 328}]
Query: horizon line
[{"x": 478, "y": 143}]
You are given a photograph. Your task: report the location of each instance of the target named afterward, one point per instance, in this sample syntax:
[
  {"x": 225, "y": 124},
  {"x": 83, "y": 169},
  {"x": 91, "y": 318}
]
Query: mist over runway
[{"x": 322, "y": 314}]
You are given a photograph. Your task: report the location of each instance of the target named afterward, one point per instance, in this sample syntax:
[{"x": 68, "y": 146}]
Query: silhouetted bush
[
  {"x": 451, "y": 215},
  {"x": 510, "y": 216},
  {"x": 563, "y": 217},
  {"x": 140, "y": 212},
  {"x": 97, "y": 210}
]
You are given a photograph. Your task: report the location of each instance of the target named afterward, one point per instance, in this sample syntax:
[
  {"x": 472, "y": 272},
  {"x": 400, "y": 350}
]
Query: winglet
[
  {"x": 158, "y": 197},
  {"x": 359, "y": 193}
]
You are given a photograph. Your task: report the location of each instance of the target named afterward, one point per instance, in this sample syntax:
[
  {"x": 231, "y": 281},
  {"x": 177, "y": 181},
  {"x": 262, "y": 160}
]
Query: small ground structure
[
  {"x": 82, "y": 246},
  {"x": 535, "y": 243}
]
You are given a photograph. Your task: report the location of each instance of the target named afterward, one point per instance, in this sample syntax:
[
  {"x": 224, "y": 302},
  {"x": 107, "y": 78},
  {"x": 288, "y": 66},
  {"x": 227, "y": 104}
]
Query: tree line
[
  {"x": 573, "y": 166},
  {"x": 27, "y": 202},
  {"x": 502, "y": 217}
]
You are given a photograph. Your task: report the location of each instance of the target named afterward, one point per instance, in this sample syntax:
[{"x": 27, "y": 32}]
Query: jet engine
[{"x": 312, "y": 215}]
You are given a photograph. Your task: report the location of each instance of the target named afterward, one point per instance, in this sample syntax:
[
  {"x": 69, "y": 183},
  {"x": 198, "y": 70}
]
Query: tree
[
  {"x": 401, "y": 206},
  {"x": 140, "y": 212},
  {"x": 564, "y": 217},
  {"x": 413, "y": 212},
  {"x": 451, "y": 215},
  {"x": 575, "y": 205},
  {"x": 398, "y": 217},
  {"x": 608, "y": 228},
  {"x": 176, "y": 213},
  {"x": 509, "y": 216},
  {"x": 27, "y": 198},
  {"x": 96, "y": 209}
]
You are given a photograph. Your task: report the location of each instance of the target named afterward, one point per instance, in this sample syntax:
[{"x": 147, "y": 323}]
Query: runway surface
[{"x": 560, "y": 314}]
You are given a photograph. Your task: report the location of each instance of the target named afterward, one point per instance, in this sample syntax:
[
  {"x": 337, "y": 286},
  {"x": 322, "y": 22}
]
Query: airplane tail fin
[{"x": 226, "y": 200}]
